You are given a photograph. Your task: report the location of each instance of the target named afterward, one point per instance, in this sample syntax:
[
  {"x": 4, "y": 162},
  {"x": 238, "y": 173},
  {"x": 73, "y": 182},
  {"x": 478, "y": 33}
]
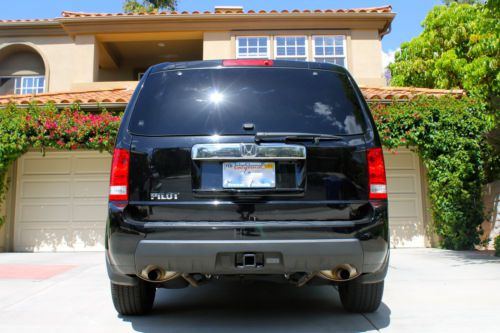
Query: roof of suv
[{"x": 244, "y": 63}]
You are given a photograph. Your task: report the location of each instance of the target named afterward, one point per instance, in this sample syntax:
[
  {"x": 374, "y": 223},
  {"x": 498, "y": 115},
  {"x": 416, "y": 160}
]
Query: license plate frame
[{"x": 249, "y": 175}]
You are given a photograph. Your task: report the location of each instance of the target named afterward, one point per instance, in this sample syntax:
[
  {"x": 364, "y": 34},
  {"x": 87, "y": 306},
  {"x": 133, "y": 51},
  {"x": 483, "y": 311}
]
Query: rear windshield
[{"x": 219, "y": 101}]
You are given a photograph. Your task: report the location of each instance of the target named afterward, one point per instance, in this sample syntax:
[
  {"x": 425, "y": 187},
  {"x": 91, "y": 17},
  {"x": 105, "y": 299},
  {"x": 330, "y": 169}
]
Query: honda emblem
[{"x": 248, "y": 149}]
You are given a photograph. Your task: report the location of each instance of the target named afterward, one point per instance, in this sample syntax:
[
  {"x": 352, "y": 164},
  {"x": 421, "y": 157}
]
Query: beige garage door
[
  {"x": 406, "y": 217},
  {"x": 61, "y": 201}
]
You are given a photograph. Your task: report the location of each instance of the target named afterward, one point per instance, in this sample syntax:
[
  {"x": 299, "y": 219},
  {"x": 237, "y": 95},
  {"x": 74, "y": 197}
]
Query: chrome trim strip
[{"x": 247, "y": 151}]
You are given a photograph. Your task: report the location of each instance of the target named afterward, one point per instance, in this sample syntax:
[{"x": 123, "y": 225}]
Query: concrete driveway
[{"x": 427, "y": 290}]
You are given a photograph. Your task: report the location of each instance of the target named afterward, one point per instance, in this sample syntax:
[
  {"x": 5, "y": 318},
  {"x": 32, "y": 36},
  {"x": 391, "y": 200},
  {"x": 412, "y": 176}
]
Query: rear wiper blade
[{"x": 294, "y": 136}]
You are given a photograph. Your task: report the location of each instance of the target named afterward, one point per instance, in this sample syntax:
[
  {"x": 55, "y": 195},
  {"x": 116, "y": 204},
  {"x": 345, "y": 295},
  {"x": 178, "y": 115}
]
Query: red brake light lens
[
  {"x": 247, "y": 62},
  {"x": 377, "y": 182},
  {"x": 118, "y": 184}
]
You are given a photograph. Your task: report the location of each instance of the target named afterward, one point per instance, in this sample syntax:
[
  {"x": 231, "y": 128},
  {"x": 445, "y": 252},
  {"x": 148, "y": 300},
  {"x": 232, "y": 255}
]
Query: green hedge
[
  {"x": 447, "y": 133},
  {"x": 449, "y": 136}
]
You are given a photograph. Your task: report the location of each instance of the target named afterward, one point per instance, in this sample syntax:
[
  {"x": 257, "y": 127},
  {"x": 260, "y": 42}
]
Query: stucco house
[{"x": 57, "y": 202}]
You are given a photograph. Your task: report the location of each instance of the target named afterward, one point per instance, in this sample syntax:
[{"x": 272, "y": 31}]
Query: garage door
[
  {"x": 61, "y": 201},
  {"x": 406, "y": 217}
]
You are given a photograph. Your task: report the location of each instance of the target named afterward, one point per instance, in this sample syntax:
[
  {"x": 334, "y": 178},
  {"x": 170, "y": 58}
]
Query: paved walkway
[{"x": 427, "y": 290}]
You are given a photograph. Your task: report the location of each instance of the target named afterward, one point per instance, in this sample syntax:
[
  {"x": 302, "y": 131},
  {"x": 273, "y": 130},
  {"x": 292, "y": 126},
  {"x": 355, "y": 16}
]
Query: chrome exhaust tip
[
  {"x": 153, "y": 273},
  {"x": 344, "y": 272}
]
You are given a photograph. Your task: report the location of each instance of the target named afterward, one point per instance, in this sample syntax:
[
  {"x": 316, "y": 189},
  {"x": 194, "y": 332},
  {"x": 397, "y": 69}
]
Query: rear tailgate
[
  {"x": 166, "y": 184},
  {"x": 193, "y": 147}
]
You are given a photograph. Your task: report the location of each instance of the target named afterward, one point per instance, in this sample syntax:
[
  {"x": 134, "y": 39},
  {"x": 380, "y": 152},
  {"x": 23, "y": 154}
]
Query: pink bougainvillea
[{"x": 70, "y": 129}]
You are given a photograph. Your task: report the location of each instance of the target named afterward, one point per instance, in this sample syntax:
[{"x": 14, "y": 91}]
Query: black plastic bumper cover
[{"x": 217, "y": 256}]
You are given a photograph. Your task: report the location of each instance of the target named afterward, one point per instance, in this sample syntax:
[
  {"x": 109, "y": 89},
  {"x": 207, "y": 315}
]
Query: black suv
[{"x": 247, "y": 169}]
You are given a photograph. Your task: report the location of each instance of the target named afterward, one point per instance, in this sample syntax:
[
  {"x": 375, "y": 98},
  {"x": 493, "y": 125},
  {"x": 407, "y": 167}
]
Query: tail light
[
  {"x": 247, "y": 62},
  {"x": 118, "y": 184},
  {"x": 377, "y": 182}
]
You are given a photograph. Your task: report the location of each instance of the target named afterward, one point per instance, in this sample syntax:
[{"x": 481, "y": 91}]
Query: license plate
[{"x": 248, "y": 175}]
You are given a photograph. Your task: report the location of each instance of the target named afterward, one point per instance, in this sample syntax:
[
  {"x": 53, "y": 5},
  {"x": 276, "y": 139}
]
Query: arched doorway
[{"x": 22, "y": 70}]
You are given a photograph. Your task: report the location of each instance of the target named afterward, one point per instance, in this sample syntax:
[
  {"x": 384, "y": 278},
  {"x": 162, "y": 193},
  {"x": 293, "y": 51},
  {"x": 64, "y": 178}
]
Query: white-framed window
[
  {"x": 30, "y": 85},
  {"x": 330, "y": 49},
  {"x": 22, "y": 85},
  {"x": 252, "y": 47},
  {"x": 290, "y": 47}
]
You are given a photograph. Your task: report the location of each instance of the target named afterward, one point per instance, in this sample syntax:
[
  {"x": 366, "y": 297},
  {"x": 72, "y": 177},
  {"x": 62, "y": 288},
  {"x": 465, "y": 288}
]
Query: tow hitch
[{"x": 249, "y": 260}]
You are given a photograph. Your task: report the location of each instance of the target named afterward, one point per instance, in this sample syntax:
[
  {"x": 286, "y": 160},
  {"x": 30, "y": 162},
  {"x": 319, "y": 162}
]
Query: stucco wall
[
  {"x": 125, "y": 72},
  {"x": 67, "y": 60},
  {"x": 217, "y": 45},
  {"x": 86, "y": 59},
  {"x": 21, "y": 63},
  {"x": 366, "y": 57}
]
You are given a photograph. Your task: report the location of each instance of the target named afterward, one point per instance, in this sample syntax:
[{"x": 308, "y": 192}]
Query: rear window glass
[{"x": 220, "y": 100}]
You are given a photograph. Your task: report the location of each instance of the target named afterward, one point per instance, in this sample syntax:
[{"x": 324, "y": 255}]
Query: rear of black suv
[{"x": 247, "y": 169}]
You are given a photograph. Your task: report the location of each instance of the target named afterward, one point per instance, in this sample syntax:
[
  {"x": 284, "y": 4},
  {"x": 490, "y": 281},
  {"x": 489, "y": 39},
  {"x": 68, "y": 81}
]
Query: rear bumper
[
  {"x": 278, "y": 256},
  {"x": 210, "y": 248}
]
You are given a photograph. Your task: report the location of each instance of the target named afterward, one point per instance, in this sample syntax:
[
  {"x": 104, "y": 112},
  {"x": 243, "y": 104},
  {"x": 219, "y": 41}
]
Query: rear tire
[
  {"x": 361, "y": 297},
  {"x": 133, "y": 300}
]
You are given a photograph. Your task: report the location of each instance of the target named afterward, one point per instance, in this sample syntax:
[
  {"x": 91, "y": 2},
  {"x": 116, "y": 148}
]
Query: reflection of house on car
[{"x": 58, "y": 202}]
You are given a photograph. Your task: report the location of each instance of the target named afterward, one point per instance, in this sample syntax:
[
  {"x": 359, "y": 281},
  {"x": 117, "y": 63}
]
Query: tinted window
[{"x": 221, "y": 100}]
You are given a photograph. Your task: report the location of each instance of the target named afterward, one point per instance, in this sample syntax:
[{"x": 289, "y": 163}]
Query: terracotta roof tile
[
  {"x": 119, "y": 95},
  {"x": 122, "y": 95},
  {"x": 383, "y": 9},
  {"x": 403, "y": 93},
  {"x": 71, "y": 14},
  {"x": 219, "y": 11}
]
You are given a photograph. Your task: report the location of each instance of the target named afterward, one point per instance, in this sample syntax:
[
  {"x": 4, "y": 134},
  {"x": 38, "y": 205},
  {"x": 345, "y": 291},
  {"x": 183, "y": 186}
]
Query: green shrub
[
  {"x": 449, "y": 136},
  {"x": 12, "y": 144},
  {"x": 497, "y": 246}
]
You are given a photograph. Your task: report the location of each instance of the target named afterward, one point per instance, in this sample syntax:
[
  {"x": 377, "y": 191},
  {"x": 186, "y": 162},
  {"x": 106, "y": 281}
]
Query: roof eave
[
  {"x": 226, "y": 17},
  {"x": 40, "y": 28},
  {"x": 269, "y": 21},
  {"x": 236, "y": 15},
  {"x": 58, "y": 24}
]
